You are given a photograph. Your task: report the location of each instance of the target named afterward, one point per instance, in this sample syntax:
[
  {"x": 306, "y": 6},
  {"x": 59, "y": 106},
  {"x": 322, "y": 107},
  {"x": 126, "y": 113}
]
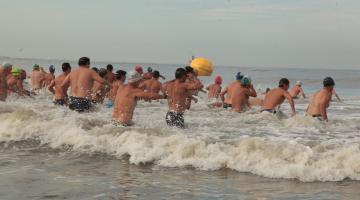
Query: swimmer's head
[
  {"x": 149, "y": 69},
  {"x": 139, "y": 69},
  {"x": 134, "y": 77},
  {"x": 246, "y": 81},
  {"x": 120, "y": 75},
  {"x": 239, "y": 76},
  {"x": 16, "y": 71},
  {"x": 84, "y": 61},
  {"x": 284, "y": 83},
  {"x": 218, "y": 80},
  {"x": 329, "y": 82},
  {"x": 156, "y": 74},
  {"x": 36, "y": 67},
  {"x": 95, "y": 69},
  {"x": 66, "y": 67},
  {"x": 109, "y": 67},
  {"x": 52, "y": 69},
  {"x": 267, "y": 90},
  {"x": 298, "y": 83},
  {"x": 180, "y": 74},
  {"x": 102, "y": 72},
  {"x": 7, "y": 65},
  {"x": 189, "y": 70}
]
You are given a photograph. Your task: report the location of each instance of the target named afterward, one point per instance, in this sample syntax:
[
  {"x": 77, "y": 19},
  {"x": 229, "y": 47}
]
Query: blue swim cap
[
  {"x": 328, "y": 81},
  {"x": 245, "y": 81},
  {"x": 239, "y": 76}
]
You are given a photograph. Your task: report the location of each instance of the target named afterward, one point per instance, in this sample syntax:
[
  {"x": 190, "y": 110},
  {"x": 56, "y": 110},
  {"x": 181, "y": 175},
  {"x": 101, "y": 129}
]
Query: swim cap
[
  {"x": 109, "y": 67},
  {"x": 16, "y": 71},
  {"x": 218, "y": 79},
  {"x": 6, "y": 65},
  {"x": 149, "y": 69},
  {"x": 328, "y": 81},
  {"x": 134, "y": 77},
  {"x": 246, "y": 81},
  {"x": 120, "y": 73},
  {"x": 36, "y": 66},
  {"x": 52, "y": 68},
  {"x": 180, "y": 73},
  {"x": 156, "y": 74},
  {"x": 189, "y": 69},
  {"x": 299, "y": 83},
  {"x": 139, "y": 69},
  {"x": 239, "y": 76}
]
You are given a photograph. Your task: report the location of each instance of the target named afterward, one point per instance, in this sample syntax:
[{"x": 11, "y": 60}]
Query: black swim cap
[
  {"x": 284, "y": 82},
  {"x": 109, "y": 67},
  {"x": 156, "y": 74},
  {"x": 52, "y": 68},
  {"x": 95, "y": 69},
  {"x": 239, "y": 76},
  {"x": 65, "y": 67},
  {"x": 119, "y": 74},
  {"x": 84, "y": 61},
  {"x": 180, "y": 72},
  {"x": 328, "y": 81},
  {"x": 149, "y": 69},
  {"x": 189, "y": 69}
]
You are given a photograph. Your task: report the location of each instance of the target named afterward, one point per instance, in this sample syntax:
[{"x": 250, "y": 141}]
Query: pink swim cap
[
  {"x": 218, "y": 79},
  {"x": 139, "y": 69}
]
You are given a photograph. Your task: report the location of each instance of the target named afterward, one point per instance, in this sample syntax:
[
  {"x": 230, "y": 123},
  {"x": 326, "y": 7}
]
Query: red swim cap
[
  {"x": 218, "y": 79},
  {"x": 139, "y": 69}
]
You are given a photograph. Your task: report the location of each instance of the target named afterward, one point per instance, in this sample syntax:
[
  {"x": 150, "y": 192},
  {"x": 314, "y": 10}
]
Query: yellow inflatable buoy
[{"x": 203, "y": 66}]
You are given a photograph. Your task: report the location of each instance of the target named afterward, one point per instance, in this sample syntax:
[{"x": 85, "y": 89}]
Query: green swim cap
[
  {"x": 36, "y": 66},
  {"x": 16, "y": 71},
  {"x": 245, "y": 81}
]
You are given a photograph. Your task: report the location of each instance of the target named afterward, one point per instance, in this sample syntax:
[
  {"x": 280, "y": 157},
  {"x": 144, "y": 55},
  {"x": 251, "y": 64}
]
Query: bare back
[
  {"x": 319, "y": 102},
  {"x": 229, "y": 90},
  {"x": 274, "y": 98},
  {"x": 59, "y": 94},
  {"x": 214, "y": 91},
  {"x": 37, "y": 78},
  {"x": 152, "y": 85}
]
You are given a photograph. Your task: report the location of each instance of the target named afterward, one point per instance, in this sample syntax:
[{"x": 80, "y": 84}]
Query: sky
[{"x": 250, "y": 33}]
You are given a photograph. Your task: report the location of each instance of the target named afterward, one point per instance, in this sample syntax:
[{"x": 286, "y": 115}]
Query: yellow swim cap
[{"x": 16, "y": 71}]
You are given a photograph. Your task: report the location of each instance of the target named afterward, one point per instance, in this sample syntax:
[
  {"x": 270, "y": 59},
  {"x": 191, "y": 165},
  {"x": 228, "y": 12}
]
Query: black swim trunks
[
  {"x": 60, "y": 102},
  {"x": 226, "y": 106},
  {"x": 318, "y": 117},
  {"x": 175, "y": 119},
  {"x": 79, "y": 104}
]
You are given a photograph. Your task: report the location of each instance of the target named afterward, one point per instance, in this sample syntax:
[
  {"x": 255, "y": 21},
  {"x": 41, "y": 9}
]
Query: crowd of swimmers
[{"x": 82, "y": 87}]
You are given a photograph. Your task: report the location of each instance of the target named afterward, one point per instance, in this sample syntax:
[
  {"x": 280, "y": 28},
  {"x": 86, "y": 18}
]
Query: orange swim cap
[{"x": 218, "y": 79}]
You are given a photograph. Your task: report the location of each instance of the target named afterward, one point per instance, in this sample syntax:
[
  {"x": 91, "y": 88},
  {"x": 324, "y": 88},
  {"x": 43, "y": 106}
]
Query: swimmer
[
  {"x": 149, "y": 74},
  {"x": 177, "y": 92},
  {"x": 320, "y": 101},
  {"x": 5, "y": 70},
  {"x": 49, "y": 77},
  {"x": 214, "y": 91},
  {"x": 191, "y": 75},
  {"x": 276, "y": 97},
  {"x": 37, "y": 78},
  {"x": 120, "y": 78},
  {"x": 241, "y": 94},
  {"x": 80, "y": 82},
  {"x": 153, "y": 85},
  {"x": 296, "y": 90},
  {"x": 15, "y": 82},
  {"x": 60, "y": 96},
  {"x": 109, "y": 73},
  {"x": 229, "y": 90},
  {"x": 99, "y": 90},
  {"x": 127, "y": 97},
  {"x": 95, "y": 69}
]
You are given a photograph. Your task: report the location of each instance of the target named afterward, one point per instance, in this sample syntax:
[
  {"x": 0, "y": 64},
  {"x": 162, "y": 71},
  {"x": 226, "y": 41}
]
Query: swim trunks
[
  {"x": 175, "y": 119},
  {"x": 272, "y": 111},
  {"x": 318, "y": 117},
  {"x": 79, "y": 104},
  {"x": 226, "y": 106},
  {"x": 110, "y": 104},
  {"x": 60, "y": 102}
]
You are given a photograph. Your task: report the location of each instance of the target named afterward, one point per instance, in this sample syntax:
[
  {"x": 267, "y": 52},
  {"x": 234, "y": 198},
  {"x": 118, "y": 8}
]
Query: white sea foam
[{"x": 296, "y": 148}]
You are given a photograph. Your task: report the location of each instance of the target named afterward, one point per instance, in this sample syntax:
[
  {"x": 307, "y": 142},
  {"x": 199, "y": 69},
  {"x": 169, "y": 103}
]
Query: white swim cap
[
  {"x": 134, "y": 77},
  {"x": 299, "y": 83}
]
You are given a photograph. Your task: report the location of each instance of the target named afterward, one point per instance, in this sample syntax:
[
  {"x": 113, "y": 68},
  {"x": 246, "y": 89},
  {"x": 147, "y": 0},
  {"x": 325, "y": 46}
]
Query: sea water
[{"x": 50, "y": 152}]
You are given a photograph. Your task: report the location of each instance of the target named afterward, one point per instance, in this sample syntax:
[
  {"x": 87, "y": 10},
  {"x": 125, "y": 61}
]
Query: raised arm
[
  {"x": 302, "y": 93},
  {"x": 291, "y": 102},
  {"x": 252, "y": 91}
]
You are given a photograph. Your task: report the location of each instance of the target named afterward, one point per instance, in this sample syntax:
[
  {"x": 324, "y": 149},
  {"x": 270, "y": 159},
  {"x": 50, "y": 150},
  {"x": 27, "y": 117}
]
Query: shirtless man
[
  {"x": 49, "y": 77},
  {"x": 241, "y": 94},
  {"x": 177, "y": 92},
  {"x": 149, "y": 74},
  {"x": 320, "y": 101},
  {"x": 276, "y": 97},
  {"x": 229, "y": 90},
  {"x": 5, "y": 70},
  {"x": 296, "y": 90},
  {"x": 120, "y": 78},
  {"x": 214, "y": 91},
  {"x": 109, "y": 75},
  {"x": 99, "y": 89},
  {"x": 14, "y": 82},
  {"x": 191, "y": 75},
  {"x": 37, "y": 77},
  {"x": 127, "y": 97},
  {"x": 80, "y": 82},
  {"x": 153, "y": 85},
  {"x": 60, "y": 97}
]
